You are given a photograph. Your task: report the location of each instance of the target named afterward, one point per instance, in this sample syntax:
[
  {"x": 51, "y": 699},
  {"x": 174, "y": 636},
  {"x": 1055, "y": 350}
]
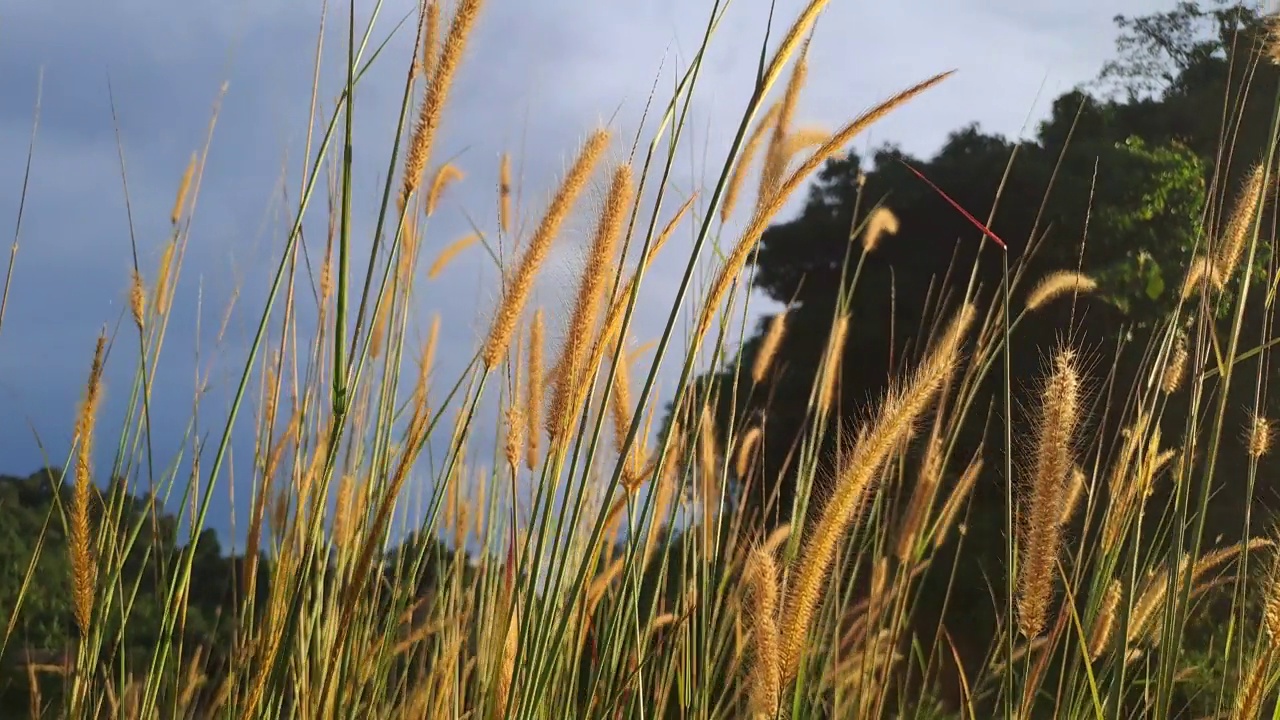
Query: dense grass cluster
[{"x": 606, "y": 557}]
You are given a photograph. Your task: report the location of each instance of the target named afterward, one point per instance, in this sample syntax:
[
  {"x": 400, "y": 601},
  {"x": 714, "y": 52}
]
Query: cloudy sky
[{"x": 538, "y": 76}]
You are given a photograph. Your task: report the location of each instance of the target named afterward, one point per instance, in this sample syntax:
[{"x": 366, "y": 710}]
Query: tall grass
[{"x": 606, "y": 570}]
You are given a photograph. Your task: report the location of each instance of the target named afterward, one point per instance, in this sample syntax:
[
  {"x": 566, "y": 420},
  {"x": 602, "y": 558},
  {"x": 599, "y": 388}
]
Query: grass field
[{"x": 614, "y": 568}]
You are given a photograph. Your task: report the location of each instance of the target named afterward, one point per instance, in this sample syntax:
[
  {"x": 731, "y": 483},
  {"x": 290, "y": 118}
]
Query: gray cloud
[{"x": 538, "y": 77}]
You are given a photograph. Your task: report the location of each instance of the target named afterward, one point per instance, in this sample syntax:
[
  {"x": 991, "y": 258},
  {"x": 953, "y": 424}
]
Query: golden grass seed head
[
  {"x": 1236, "y": 235},
  {"x": 1043, "y": 506},
  {"x": 1059, "y": 284},
  {"x": 1176, "y": 368},
  {"x": 533, "y": 399},
  {"x": 184, "y": 188},
  {"x": 765, "y": 676},
  {"x": 746, "y": 451},
  {"x": 1259, "y": 436},
  {"x": 901, "y": 408},
  {"x": 137, "y": 300},
  {"x": 84, "y": 571},
  {"x": 445, "y": 176},
  {"x": 881, "y": 222},
  {"x": 451, "y": 251},
  {"x": 521, "y": 284},
  {"x": 769, "y": 347},
  {"x": 832, "y": 360}
]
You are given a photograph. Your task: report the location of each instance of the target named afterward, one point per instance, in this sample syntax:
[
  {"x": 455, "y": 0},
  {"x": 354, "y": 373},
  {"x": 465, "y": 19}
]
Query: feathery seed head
[
  {"x": 84, "y": 571},
  {"x": 450, "y": 252},
  {"x": 137, "y": 300},
  {"x": 761, "y": 577},
  {"x": 1236, "y": 235},
  {"x": 533, "y": 400},
  {"x": 746, "y": 449},
  {"x": 1057, "y": 284},
  {"x": 184, "y": 187},
  {"x": 1260, "y": 435},
  {"x": 769, "y": 346},
  {"x": 1043, "y": 507},
  {"x": 448, "y": 173},
  {"x": 439, "y": 82},
  {"x": 881, "y": 222},
  {"x": 504, "y": 194},
  {"x": 1175, "y": 369},
  {"x": 521, "y": 284},
  {"x": 899, "y": 411},
  {"x": 1200, "y": 271},
  {"x": 573, "y": 368}
]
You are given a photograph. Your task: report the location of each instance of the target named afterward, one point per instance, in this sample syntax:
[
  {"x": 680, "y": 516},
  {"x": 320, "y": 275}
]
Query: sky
[{"x": 134, "y": 83}]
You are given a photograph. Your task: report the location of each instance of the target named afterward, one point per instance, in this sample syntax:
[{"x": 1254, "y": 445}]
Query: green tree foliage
[{"x": 31, "y": 509}]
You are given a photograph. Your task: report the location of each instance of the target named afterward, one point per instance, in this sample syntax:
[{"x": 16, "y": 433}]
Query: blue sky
[{"x": 538, "y": 76}]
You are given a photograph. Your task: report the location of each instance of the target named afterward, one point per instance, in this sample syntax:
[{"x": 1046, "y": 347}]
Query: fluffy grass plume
[
  {"x": 880, "y": 223},
  {"x": 439, "y": 83},
  {"x": 444, "y": 177},
  {"x": 1176, "y": 368},
  {"x": 184, "y": 189},
  {"x": 521, "y": 283},
  {"x": 451, "y": 251},
  {"x": 84, "y": 569},
  {"x": 570, "y": 376},
  {"x": 535, "y": 394},
  {"x": 1046, "y": 494},
  {"x": 901, "y": 408},
  {"x": 504, "y": 194},
  {"x": 1059, "y": 284},
  {"x": 749, "y": 151},
  {"x": 761, "y": 578},
  {"x": 831, "y": 363},
  {"x": 766, "y": 209},
  {"x": 776, "y": 156},
  {"x": 769, "y": 347},
  {"x": 1235, "y": 238}
]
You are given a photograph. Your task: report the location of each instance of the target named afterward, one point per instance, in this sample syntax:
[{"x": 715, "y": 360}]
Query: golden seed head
[
  {"x": 1271, "y": 605},
  {"x": 533, "y": 400},
  {"x": 521, "y": 283},
  {"x": 832, "y": 363},
  {"x": 621, "y": 401},
  {"x": 1057, "y": 284},
  {"x": 769, "y": 347},
  {"x": 894, "y": 421},
  {"x": 746, "y": 451},
  {"x": 137, "y": 300},
  {"x": 431, "y": 109},
  {"x": 162, "y": 291},
  {"x": 84, "y": 571},
  {"x": 1236, "y": 235},
  {"x": 504, "y": 194},
  {"x": 450, "y": 252},
  {"x": 1176, "y": 369},
  {"x": 765, "y": 211},
  {"x": 761, "y": 578},
  {"x": 1042, "y": 510},
  {"x": 447, "y": 174},
  {"x": 575, "y": 365},
  {"x": 1259, "y": 436},
  {"x": 180, "y": 203},
  {"x": 881, "y": 222},
  {"x": 1104, "y": 624},
  {"x": 1199, "y": 271}
]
